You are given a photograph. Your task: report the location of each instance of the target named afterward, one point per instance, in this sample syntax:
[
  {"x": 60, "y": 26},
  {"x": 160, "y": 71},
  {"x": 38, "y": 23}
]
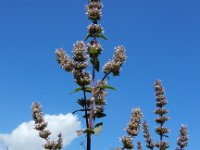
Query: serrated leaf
[
  {"x": 102, "y": 36},
  {"x": 98, "y": 128},
  {"x": 108, "y": 87},
  {"x": 87, "y": 37}
]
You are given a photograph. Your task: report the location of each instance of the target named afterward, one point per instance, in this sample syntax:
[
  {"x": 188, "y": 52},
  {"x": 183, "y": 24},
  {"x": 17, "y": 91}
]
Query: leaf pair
[
  {"x": 96, "y": 130},
  {"x": 98, "y": 35}
]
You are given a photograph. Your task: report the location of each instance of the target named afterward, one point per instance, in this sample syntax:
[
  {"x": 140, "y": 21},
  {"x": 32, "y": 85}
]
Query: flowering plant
[{"x": 92, "y": 103}]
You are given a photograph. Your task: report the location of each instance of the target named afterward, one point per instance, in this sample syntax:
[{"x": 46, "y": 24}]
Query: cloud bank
[{"x": 26, "y": 137}]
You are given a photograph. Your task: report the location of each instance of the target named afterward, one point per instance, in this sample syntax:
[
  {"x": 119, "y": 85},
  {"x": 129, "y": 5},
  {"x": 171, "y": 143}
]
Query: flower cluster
[
  {"x": 94, "y": 30},
  {"x": 41, "y": 125},
  {"x": 82, "y": 78},
  {"x": 182, "y": 141},
  {"x": 99, "y": 94},
  {"x": 77, "y": 64},
  {"x": 161, "y": 111},
  {"x": 133, "y": 128},
  {"x": 99, "y": 98},
  {"x": 113, "y": 66},
  {"x": 63, "y": 59},
  {"x": 127, "y": 142},
  {"x": 93, "y": 10},
  {"x": 94, "y": 49},
  {"x": 147, "y": 136},
  {"x": 79, "y": 51},
  {"x": 134, "y": 124}
]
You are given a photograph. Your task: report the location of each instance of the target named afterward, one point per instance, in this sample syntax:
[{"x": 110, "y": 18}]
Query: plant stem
[
  {"x": 86, "y": 120},
  {"x": 104, "y": 77},
  {"x": 85, "y": 107},
  {"x": 92, "y": 96}
]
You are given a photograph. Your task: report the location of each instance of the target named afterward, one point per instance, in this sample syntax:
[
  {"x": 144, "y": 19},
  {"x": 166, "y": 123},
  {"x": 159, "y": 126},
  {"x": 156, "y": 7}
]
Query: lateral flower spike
[
  {"x": 114, "y": 66},
  {"x": 161, "y": 111},
  {"x": 63, "y": 59},
  {"x": 182, "y": 141}
]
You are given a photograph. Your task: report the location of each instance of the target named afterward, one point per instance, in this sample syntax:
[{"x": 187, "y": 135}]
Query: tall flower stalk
[
  {"x": 84, "y": 55},
  {"x": 147, "y": 136},
  {"x": 84, "y": 65},
  {"x": 161, "y": 119},
  {"x": 182, "y": 141},
  {"x": 134, "y": 126}
]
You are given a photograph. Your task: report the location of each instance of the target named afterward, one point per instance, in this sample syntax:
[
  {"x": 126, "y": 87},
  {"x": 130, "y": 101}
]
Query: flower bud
[
  {"x": 93, "y": 10},
  {"x": 94, "y": 30}
]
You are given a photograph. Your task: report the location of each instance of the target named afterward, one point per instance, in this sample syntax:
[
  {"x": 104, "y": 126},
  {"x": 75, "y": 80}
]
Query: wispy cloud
[{"x": 25, "y": 137}]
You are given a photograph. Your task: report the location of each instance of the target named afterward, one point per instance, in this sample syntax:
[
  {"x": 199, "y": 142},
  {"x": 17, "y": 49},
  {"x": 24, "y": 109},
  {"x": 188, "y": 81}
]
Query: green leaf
[
  {"x": 89, "y": 131},
  {"x": 108, "y": 87},
  {"x": 102, "y": 36},
  {"x": 165, "y": 135},
  {"x": 98, "y": 128},
  {"x": 87, "y": 89},
  {"x": 99, "y": 114},
  {"x": 77, "y": 90},
  {"x": 87, "y": 37},
  {"x": 88, "y": 115},
  {"x": 82, "y": 102},
  {"x": 164, "y": 148},
  {"x": 94, "y": 51}
]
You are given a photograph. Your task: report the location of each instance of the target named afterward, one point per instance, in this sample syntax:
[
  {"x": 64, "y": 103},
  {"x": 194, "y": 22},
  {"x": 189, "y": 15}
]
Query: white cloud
[{"x": 26, "y": 137}]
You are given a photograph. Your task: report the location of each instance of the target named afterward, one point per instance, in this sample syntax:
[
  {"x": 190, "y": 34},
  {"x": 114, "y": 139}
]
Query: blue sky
[{"x": 162, "y": 42}]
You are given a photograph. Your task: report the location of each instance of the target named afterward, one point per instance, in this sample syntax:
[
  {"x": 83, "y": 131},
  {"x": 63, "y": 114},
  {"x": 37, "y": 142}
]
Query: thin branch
[{"x": 105, "y": 76}]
